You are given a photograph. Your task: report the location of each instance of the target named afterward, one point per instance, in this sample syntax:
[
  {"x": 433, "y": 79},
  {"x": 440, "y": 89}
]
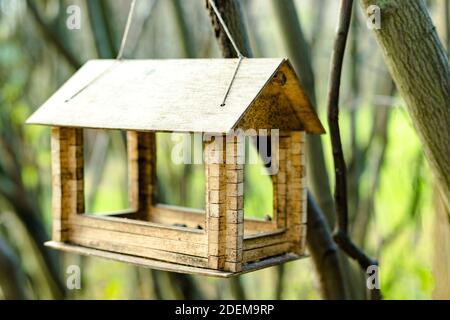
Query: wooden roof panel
[{"x": 159, "y": 95}]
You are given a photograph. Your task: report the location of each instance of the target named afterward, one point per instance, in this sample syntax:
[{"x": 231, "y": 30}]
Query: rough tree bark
[
  {"x": 420, "y": 68},
  {"x": 232, "y": 15}
]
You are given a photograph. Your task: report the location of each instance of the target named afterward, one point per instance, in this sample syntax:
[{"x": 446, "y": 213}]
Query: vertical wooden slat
[
  {"x": 235, "y": 203},
  {"x": 67, "y": 178},
  {"x": 281, "y": 187},
  {"x": 141, "y": 172},
  {"x": 215, "y": 202},
  {"x": 296, "y": 185}
]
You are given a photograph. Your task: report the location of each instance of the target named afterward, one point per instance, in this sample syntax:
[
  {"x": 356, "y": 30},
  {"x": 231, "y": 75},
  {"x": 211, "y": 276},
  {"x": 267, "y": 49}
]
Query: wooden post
[
  {"x": 67, "y": 178},
  {"x": 280, "y": 180},
  {"x": 224, "y": 204},
  {"x": 215, "y": 198},
  {"x": 297, "y": 194},
  {"x": 141, "y": 172},
  {"x": 234, "y": 203}
]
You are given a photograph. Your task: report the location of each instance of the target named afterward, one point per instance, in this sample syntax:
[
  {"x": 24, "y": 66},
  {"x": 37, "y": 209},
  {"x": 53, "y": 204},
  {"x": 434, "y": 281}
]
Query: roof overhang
[{"x": 172, "y": 95}]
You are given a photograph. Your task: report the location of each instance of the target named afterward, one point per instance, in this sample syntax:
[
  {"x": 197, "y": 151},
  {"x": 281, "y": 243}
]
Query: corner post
[
  {"x": 225, "y": 203},
  {"x": 280, "y": 180},
  {"x": 215, "y": 199},
  {"x": 67, "y": 179},
  {"x": 141, "y": 172},
  {"x": 235, "y": 159},
  {"x": 297, "y": 191}
]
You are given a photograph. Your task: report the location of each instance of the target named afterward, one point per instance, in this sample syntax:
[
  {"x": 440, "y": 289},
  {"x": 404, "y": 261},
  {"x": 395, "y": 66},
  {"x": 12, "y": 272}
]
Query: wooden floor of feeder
[{"x": 172, "y": 267}]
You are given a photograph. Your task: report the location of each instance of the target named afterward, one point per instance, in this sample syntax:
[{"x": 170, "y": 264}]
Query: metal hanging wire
[
  {"x": 119, "y": 56},
  {"x": 233, "y": 43},
  {"x": 127, "y": 30},
  {"x": 225, "y": 28}
]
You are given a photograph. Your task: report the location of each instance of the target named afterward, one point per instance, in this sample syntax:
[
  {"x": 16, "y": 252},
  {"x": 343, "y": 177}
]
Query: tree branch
[
  {"x": 231, "y": 14},
  {"x": 420, "y": 68},
  {"x": 341, "y": 233},
  {"x": 324, "y": 253}
]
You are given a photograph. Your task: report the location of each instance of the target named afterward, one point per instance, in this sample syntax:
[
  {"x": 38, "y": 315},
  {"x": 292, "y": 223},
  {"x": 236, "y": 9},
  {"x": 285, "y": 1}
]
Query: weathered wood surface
[
  {"x": 419, "y": 65},
  {"x": 192, "y": 218},
  {"x": 118, "y": 246},
  {"x": 140, "y": 228},
  {"x": 141, "y": 172},
  {"x": 234, "y": 213},
  {"x": 271, "y": 250},
  {"x": 177, "y": 244},
  {"x": 215, "y": 197},
  {"x": 171, "y": 267},
  {"x": 272, "y": 108},
  {"x": 135, "y": 95},
  {"x": 297, "y": 194},
  {"x": 173, "y": 215},
  {"x": 217, "y": 238},
  {"x": 67, "y": 178},
  {"x": 265, "y": 239},
  {"x": 121, "y": 241}
]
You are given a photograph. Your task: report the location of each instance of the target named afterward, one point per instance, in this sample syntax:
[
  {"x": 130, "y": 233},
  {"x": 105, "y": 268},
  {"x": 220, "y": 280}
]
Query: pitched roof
[{"x": 181, "y": 95}]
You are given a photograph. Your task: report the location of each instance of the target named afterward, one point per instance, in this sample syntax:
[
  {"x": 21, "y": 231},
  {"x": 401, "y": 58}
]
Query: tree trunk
[
  {"x": 232, "y": 15},
  {"x": 420, "y": 68}
]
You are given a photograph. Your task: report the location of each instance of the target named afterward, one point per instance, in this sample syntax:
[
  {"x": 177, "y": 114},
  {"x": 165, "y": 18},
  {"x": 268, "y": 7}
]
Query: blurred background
[{"x": 396, "y": 214}]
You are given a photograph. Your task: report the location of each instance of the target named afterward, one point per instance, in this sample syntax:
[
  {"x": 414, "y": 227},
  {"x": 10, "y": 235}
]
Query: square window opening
[
  {"x": 180, "y": 180},
  {"x": 258, "y": 186},
  {"x": 262, "y": 214},
  {"x": 180, "y": 171},
  {"x": 105, "y": 172}
]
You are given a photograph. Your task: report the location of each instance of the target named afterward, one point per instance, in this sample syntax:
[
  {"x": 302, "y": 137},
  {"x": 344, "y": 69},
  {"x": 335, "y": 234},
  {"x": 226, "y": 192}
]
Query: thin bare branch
[{"x": 341, "y": 233}]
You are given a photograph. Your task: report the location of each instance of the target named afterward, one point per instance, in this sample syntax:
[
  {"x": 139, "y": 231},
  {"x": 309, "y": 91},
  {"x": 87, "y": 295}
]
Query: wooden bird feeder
[{"x": 143, "y": 97}]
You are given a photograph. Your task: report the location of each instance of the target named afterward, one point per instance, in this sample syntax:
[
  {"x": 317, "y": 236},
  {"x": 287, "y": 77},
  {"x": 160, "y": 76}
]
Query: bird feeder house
[{"x": 143, "y": 97}]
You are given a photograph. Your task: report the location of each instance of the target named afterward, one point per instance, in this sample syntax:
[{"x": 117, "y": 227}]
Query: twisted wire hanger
[
  {"x": 127, "y": 31},
  {"x": 233, "y": 43}
]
